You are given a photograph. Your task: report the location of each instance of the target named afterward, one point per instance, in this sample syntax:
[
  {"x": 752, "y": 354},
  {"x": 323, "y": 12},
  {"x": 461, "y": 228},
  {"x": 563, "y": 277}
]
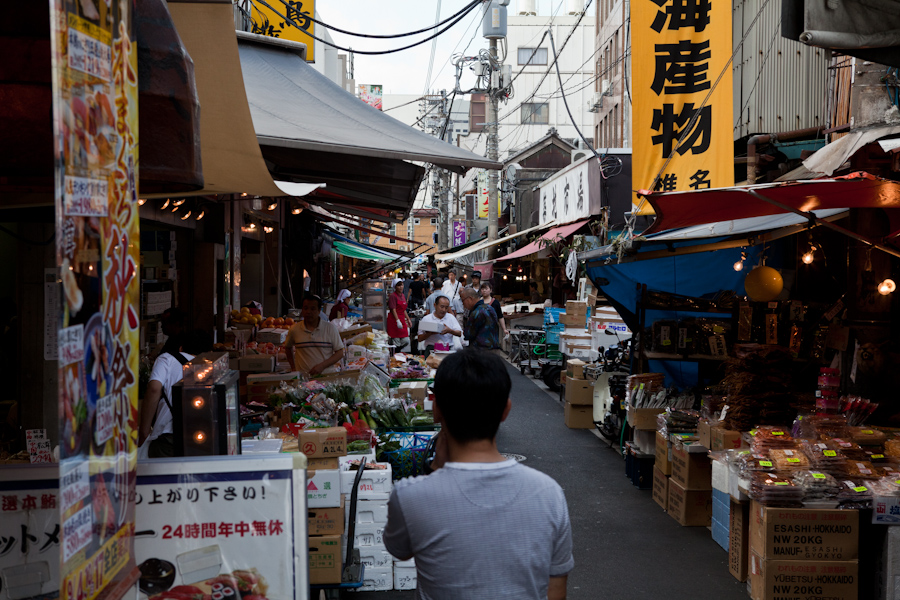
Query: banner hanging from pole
[{"x": 682, "y": 97}]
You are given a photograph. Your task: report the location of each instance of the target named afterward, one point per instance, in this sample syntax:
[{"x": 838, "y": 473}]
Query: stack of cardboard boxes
[
  {"x": 803, "y": 553},
  {"x": 690, "y": 486},
  {"x": 579, "y": 409},
  {"x": 575, "y": 315}
]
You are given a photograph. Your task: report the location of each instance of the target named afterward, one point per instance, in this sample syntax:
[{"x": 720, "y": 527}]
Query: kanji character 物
[{"x": 671, "y": 129}]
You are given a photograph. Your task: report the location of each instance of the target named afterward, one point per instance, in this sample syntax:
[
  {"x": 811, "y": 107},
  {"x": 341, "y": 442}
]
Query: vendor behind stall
[
  {"x": 316, "y": 343},
  {"x": 340, "y": 308},
  {"x": 441, "y": 317}
]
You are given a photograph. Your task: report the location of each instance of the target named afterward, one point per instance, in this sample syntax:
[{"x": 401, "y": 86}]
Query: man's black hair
[
  {"x": 533, "y": 284},
  {"x": 471, "y": 388},
  {"x": 313, "y": 298},
  {"x": 197, "y": 342}
]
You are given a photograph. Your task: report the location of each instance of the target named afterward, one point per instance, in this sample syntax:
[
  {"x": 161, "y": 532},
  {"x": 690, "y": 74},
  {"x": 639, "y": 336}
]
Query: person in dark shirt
[
  {"x": 418, "y": 290},
  {"x": 486, "y": 298}
]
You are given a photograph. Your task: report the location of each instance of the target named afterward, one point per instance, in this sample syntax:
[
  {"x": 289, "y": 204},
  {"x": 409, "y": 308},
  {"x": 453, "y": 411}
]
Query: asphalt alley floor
[{"x": 625, "y": 545}]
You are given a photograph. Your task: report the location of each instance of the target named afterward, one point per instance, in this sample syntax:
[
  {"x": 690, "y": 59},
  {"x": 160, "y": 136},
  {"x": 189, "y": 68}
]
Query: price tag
[
  {"x": 765, "y": 463},
  {"x": 777, "y": 433},
  {"x": 829, "y": 453},
  {"x": 867, "y": 431},
  {"x": 782, "y": 483},
  {"x": 878, "y": 456},
  {"x": 793, "y": 460},
  {"x": 818, "y": 475},
  {"x": 860, "y": 489},
  {"x": 754, "y": 431}
]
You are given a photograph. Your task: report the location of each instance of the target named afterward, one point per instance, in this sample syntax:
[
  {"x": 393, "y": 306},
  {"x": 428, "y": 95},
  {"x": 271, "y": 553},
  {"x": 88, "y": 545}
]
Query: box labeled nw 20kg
[{"x": 804, "y": 533}]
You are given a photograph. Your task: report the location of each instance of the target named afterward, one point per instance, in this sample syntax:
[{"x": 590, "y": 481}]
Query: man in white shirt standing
[
  {"x": 442, "y": 318},
  {"x": 451, "y": 287}
]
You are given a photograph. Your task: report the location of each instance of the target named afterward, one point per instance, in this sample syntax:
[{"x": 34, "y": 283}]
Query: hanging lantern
[{"x": 763, "y": 284}]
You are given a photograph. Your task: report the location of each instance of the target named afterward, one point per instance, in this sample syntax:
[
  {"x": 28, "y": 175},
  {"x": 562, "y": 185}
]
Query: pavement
[{"x": 625, "y": 545}]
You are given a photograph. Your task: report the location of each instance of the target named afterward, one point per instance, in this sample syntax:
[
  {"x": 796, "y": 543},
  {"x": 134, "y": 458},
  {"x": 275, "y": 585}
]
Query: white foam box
[
  {"x": 374, "y": 557},
  {"x": 343, "y": 460},
  {"x": 404, "y": 563},
  {"x": 323, "y": 488},
  {"x": 430, "y": 326},
  {"x": 367, "y": 511},
  {"x": 366, "y": 535},
  {"x": 377, "y": 580},
  {"x": 720, "y": 476},
  {"x": 404, "y": 577},
  {"x": 376, "y": 484}
]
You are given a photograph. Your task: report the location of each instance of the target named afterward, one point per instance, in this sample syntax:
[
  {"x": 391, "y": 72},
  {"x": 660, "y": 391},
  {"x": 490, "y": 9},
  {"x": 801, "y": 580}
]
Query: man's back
[{"x": 481, "y": 530}]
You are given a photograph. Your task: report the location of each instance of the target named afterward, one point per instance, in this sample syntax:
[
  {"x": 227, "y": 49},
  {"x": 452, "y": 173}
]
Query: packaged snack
[
  {"x": 788, "y": 459},
  {"x": 867, "y": 437},
  {"x": 772, "y": 490},
  {"x": 816, "y": 485}
]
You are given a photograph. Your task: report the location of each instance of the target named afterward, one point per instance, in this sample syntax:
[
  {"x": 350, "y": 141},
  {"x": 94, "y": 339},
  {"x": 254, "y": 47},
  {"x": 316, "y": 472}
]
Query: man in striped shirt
[{"x": 316, "y": 343}]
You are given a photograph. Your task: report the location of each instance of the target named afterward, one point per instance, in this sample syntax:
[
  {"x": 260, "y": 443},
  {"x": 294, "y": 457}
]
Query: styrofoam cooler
[
  {"x": 405, "y": 576},
  {"x": 367, "y": 511},
  {"x": 375, "y": 484},
  {"x": 377, "y": 580}
]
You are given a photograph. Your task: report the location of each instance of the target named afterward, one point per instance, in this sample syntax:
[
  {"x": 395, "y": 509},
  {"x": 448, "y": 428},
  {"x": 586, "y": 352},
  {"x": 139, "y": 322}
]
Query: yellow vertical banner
[
  {"x": 484, "y": 200},
  {"x": 682, "y": 96},
  {"x": 95, "y": 120},
  {"x": 274, "y": 23}
]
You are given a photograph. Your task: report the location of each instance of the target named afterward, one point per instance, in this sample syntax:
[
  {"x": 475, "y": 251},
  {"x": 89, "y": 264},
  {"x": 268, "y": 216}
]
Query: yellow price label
[
  {"x": 777, "y": 433},
  {"x": 793, "y": 460},
  {"x": 860, "y": 489},
  {"x": 829, "y": 453},
  {"x": 878, "y": 456},
  {"x": 765, "y": 463},
  {"x": 818, "y": 475}
]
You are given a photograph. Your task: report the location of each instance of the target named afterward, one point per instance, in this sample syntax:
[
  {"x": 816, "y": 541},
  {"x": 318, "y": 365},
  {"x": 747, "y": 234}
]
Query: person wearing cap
[
  {"x": 313, "y": 344},
  {"x": 340, "y": 308},
  {"x": 476, "y": 280},
  {"x": 398, "y": 324}
]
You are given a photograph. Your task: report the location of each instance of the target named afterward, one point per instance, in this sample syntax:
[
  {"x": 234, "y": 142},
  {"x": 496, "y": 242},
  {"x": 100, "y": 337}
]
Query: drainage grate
[{"x": 515, "y": 457}]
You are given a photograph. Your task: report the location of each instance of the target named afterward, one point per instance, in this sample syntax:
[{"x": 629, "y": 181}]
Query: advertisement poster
[
  {"x": 222, "y": 528},
  {"x": 29, "y": 531},
  {"x": 683, "y": 125},
  {"x": 95, "y": 89},
  {"x": 371, "y": 95},
  {"x": 566, "y": 196},
  {"x": 459, "y": 233},
  {"x": 483, "y": 199},
  {"x": 273, "y": 23}
]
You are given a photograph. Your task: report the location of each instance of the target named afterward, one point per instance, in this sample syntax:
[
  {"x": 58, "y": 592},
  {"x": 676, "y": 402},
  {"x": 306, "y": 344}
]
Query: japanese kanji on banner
[
  {"x": 222, "y": 528},
  {"x": 682, "y": 118},
  {"x": 266, "y": 21},
  {"x": 95, "y": 121}
]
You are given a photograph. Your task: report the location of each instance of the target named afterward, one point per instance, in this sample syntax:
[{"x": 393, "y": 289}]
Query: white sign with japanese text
[
  {"x": 29, "y": 531},
  {"x": 886, "y": 510},
  {"x": 566, "y": 197},
  {"x": 224, "y": 525},
  {"x": 71, "y": 345}
]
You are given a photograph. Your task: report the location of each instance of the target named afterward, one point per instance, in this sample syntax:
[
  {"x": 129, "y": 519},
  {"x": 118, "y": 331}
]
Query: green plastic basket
[{"x": 409, "y": 459}]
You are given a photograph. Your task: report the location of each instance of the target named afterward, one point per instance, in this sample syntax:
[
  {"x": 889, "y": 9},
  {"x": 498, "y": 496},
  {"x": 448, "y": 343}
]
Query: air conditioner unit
[
  {"x": 403, "y": 248},
  {"x": 606, "y": 87},
  {"x": 595, "y": 102}
]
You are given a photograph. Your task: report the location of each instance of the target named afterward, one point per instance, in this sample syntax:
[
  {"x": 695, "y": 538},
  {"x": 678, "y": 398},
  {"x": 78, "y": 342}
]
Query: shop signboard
[
  {"x": 29, "y": 531},
  {"x": 459, "y": 232},
  {"x": 274, "y": 23},
  {"x": 572, "y": 194},
  {"x": 483, "y": 199},
  {"x": 371, "y": 95},
  {"x": 682, "y": 97},
  {"x": 95, "y": 118},
  {"x": 223, "y": 527}
]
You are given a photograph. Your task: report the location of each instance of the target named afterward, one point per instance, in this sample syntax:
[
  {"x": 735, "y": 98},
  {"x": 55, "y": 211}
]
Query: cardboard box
[
  {"x": 316, "y": 464},
  {"x": 259, "y": 384},
  {"x": 660, "y": 488},
  {"x": 323, "y": 443},
  {"x": 575, "y": 368},
  {"x": 577, "y": 321},
  {"x": 579, "y": 416},
  {"x": 726, "y": 439},
  {"x": 663, "y": 452},
  {"x": 272, "y": 335},
  {"x": 405, "y": 577},
  {"x": 789, "y": 579},
  {"x": 326, "y": 521},
  {"x": 354, "y": 331},
  {"x": 258, "y": 363},
  {"x": 375, "y": 484},
  {"x": 642, "y": 418},
  {"x": 323, "y": 489},
  {"x": 739, "y": 540},
  {"x": 325, "y": 559},
  {"x": 804, "y": 533},
  {"x": 691, "y": 508},
  {"x": 704, "y": 433},
  {"x": 692, "y": 470},
  {"x": 579, "y": 391},
  {"x": 417, "y": 390},
  {"x": 574, "y": 307}
]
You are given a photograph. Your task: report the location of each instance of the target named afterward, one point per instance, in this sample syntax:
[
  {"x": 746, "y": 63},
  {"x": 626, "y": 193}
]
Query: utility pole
[
  {"x": 443, "y": 177},
  {"x": 492, "y": 151}
]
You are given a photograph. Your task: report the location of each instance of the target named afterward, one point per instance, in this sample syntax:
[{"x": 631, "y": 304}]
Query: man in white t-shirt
[
  {"x": 440, "y": 316},
  {"x": 451, "y": 287},
  {"x": 481, "y": 525}
]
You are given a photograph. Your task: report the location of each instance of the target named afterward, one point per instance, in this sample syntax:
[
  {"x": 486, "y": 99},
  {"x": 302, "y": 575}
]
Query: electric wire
[
  {"x": 404, "y": 104},
  {"x": 365, "y": 52},
  {"x": 464, "y": 10}
]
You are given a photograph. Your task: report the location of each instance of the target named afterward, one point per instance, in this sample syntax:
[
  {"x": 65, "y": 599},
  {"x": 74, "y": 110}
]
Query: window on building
[
  {"x": 532, "y": 56},
  {"x": 393, "y": 231},
  {"x": 433, "y": 221},
  {"x": 477, "y": 113},
  {"x": 535, "y": 113},
  {"x": 416, "y": 221}
]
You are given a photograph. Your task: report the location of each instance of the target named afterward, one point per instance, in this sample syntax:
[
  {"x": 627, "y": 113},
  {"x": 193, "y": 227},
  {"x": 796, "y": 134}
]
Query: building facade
[{"x": 421, "y": 226}]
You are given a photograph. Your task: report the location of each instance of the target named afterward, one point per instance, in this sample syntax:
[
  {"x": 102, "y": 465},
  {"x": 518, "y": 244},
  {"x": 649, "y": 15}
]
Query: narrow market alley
[{"x": 625, "y": 546}]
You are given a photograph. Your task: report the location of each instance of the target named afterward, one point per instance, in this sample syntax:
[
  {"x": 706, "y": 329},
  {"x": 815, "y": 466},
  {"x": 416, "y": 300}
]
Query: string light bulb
[
  {"x": 178, "y": 202},
  {"x": 808, "y": 256},
  {"x": 165, "y": 205},
  {"x": 268, "y": 229},
  {"x": 186, "y": 216},
  {"x": 887, "y": 287},
  {"x": 201, "y": 214},
  {"x": 739, "y": 265},
  {"x": 297, "y": 210},
  {"x": 273, "y": 206},
  {"x": 142, "y": 201}
]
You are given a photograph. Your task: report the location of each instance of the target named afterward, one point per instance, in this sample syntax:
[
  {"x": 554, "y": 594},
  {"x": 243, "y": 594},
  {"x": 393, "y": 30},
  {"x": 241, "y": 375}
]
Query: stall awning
[
  {"x": 231, "y": 158},
  {"x": 686, "y": 209},
  {"x": 353, "y": 249},
  {"x": 488, "y": 243},
  {"x": 829, "y": 159},
  {"x": 323, "y": 215},
  {"x": 562, "y": 231},
  {"x": 294, "y": 106}
]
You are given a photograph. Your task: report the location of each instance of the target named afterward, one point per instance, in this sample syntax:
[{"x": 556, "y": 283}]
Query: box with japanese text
[
  {"x": 692, "y": 470},
  {"x": 775, "y": 579},
  {"x": 375, "y": 483},
  {"x": 324, "y": 559},
  {"x": 660, "y": 488},
  {"x": 367, "y": 511},
  {"x": 739, "y": 540},
  {"x": 316, "y": 464},
  {"x": 404, "y": 577},
  {"x": 726, "y": 439},
  {"x": 691, "y": 508},
  {"x": 323, "y": 443},
  {"x": 326, "y": 521},
  {"x": 663, "y": 451},
  {"x": 575, "y": 368},
  {"x": 804, "y": 533},
  {"x": 223, "y": 525},
  {"x": 323, "y": 489},
  {"x": 374, "y": 557},
  {"x": 366, "y": 535}
]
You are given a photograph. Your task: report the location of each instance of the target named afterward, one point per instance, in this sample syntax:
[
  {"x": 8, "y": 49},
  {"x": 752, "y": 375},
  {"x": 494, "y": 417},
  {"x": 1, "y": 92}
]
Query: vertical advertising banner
[
  {"x": 95, "y": 119},
  {"x": 483, "y": 198},
  {"x": 459, "y": 232},
  {"x": 265, "y": 21},
  {"x": 682, "y": 112},
  {"x": 371, "y": 95}
]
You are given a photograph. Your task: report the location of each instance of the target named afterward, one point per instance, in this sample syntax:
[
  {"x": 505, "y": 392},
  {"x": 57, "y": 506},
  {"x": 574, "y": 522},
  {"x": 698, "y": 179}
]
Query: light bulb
[
  {"x": 739, "y": 265},
  {"x": 165, "y": 205},
  {"x": 198, "y": 402},
  {"x": 808, "y": 257},
  {"x": 186, "y": 216},
  {"x": 142, "y": 201},
  {"x": 887, "y": 287},
  {"x": 297, "y": 211},
  {"x": 273, "y": 206},
  {"x": 178, "y": 202},
  {"x": 268, "y": 229},
  {"x": 201, "y": 215},
  {"x": 243, "y": 194},
  {"x": 200, "y": 436}
]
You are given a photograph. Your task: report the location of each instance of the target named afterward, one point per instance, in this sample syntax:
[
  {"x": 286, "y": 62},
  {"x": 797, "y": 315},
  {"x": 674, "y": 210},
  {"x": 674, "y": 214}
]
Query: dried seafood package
[
  {"x": 748, "y": 464},
  {"x": 816, "y": 485},
  {"x": 769, "y": 437},
  {"x": 773, "y": 490},
  {"x": 892, "y": 447},
  {"x": 861, "y": 469},
  {"x": 867, "y": 437},
  {"x": 855, "y": 494},
  {"x": 788, "y": 459},
  {"x": 825, "y": 457}
]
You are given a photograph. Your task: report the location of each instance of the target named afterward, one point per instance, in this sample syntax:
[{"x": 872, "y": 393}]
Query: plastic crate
[
  {"x": 553, "y": 332},
  {"x": 551, "y": 315},
  {"x": 409, "y": 459}
]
